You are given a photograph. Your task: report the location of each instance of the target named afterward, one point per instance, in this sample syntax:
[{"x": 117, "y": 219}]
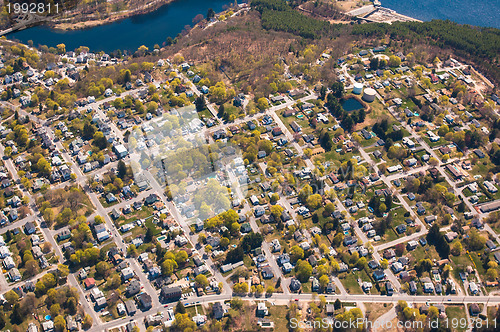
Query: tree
[
  {"x": 201, "y": 280},
  {"x": 198, "y": 18},
  {"x": 132, "y": 251},
  {"x": 329, "y": 208},
  {"x": 202, "y": 238},
  {"x": 181, "y": 257},
  {"x": 88, "y": 131},
  {"x": 179, "y": 308},
  {"x": 314, "y": 201},
  {"x": 61, "y": 48},
  {"x": 361, "y": 116},
  {"x": 475, "y": 241},
  {"x": 103, "y": 269},
  {"x": 303, "y": 270},
  {"x": 269, "y": 290},
  {"x": 382, "y": 208},
  {"x": 16, "y": 317},
  {"x": 456, "y": 248},
  {"x": 40, "y": 288},
  {"x": 224, "y": 242},
  {"x": 276, "y": 211},
  {"x": 400, "y": 249},
  {"x": 43, "y": 166},
  {"x": 323, "y": 281},
  {"x": 296, "y": 253},
  {"x": 55, "y": 309},
  {"x": 49, "y": 280},
  {"x": 305, "y": 192},
  {"x": 11, "y": 297},
  {"x": 31, "y": 267},
  {"x": 100, "y": 141},
  {"x": 262, "y": 103},
  {"x": 325, "y": 141},
  {"x": 87, "y": 322},
  {"x": 443, "y": 130},
  {"x": 200, "y": 103},
  {"x": 210, "y": 14},
  {"x": 127, "y": 76},
  {"x": 338, "y": 90},
  {"x": 433, "y": 161},
  {"x": 394, "y": 61},
  {"x": 337, "y": 304},
  {"x": 274, "y": 198},
  {"x": 240, "y": 288},
  {"x": 59, "y": 323},
  {"x": 122, "y": 169}
]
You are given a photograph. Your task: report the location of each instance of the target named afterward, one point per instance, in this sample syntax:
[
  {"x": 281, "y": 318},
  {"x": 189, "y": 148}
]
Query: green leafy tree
[{"x": 303, "y": 270}]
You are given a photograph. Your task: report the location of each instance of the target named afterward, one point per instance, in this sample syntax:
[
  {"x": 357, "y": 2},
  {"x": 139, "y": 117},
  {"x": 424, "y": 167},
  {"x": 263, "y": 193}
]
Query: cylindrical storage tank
[
  {"x": 358, "y": 88},
  {"x": 369, "y": 95}
]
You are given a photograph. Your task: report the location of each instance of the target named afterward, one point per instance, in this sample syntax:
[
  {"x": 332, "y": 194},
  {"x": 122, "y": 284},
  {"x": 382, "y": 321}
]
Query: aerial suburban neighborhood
[{"x": 158, "y": 192}]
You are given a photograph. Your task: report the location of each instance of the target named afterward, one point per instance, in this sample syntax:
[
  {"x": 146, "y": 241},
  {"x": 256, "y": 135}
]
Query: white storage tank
[
  {"x": 369, "y": 95},
  {"x": 358, "y": 88}
]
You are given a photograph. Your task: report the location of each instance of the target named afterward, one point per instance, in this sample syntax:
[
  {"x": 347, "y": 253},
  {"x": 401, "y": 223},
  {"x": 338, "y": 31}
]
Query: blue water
[
  {"x": 128, "y": 34},
  {"x": 169, "y": 20},
  {"x": 351, "y": 104},
  {"x": 484, "y": 13}
]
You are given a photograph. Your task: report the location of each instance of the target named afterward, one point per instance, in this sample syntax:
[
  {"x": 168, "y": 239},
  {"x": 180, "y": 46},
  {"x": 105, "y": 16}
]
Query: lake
[
  {"x": 351, "y": 104},
  {"x": 475, "y": 12},
  {"x": 128, "y": 34}
]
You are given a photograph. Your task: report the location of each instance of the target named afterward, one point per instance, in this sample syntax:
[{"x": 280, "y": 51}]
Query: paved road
[{"x": 287, "y": 298}]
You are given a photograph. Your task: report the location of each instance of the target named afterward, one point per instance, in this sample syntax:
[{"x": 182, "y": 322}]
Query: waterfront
[
  {"x": 169, "y": 20},
  {"x": 474, "y": 12},
  {"x": 128, "y": 34}
]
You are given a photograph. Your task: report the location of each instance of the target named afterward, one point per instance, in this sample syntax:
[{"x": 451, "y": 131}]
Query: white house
[{"x": 8, "y": 263}]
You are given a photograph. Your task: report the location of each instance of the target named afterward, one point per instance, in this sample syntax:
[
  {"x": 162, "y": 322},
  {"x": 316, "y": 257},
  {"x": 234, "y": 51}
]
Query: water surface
[
  {"x": 128, "y": 34},
  {"x": 485, "y": 13},
  {"x": 351, "y": 104}
]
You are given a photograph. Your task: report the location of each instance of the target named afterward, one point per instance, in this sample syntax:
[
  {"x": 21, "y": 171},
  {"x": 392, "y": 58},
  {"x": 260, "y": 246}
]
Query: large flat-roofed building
[
  {"x": 488, "y": 207},
  {"x": 120, "y": 150},
  {"x": 170, "y": 293},
  {"x": 454, "y": 171}
]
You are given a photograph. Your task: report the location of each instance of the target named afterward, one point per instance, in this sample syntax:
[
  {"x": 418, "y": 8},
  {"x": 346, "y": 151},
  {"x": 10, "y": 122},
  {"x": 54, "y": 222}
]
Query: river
[
  {"x": 127, "y": 34},
  {"x": 483, "y": 13}
]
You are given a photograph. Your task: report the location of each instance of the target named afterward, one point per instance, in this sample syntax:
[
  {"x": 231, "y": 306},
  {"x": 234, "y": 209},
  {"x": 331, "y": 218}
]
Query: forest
[{"x": 278, "y": 15}]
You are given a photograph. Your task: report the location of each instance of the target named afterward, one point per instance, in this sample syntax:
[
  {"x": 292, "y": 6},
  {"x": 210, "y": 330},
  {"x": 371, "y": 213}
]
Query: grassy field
[
  {"x": 350, "y": 282},
  {"x": 455, "y": 313},
  {"x": 278, "y": 315},
  {"x": 375, "y": 310}
]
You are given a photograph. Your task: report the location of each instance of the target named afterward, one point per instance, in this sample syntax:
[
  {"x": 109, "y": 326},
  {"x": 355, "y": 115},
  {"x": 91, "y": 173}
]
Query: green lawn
[
  {"x": 350, "y": 282},
  {"x": 278, "y": 314},
  {"x": 455, "y": 313}
]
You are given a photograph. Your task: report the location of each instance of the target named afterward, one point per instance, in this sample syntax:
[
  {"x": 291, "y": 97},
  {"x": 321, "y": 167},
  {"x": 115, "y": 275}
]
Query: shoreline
[
  {"x": 61, "y": 26},
  {"x": 375, "y": 13},
  {"x": 87, "y": 24}
]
